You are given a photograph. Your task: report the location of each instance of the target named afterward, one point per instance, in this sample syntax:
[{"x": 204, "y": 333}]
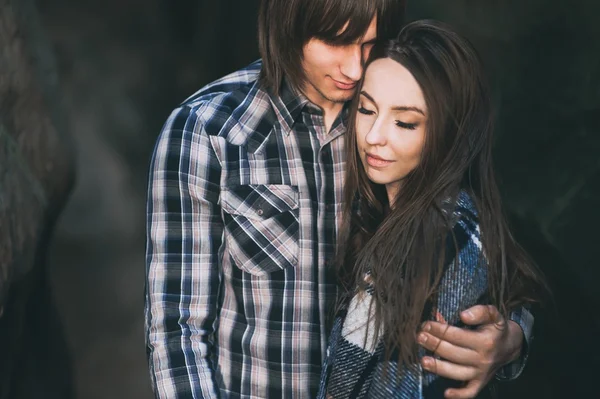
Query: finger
[
  {"x": 454, "y": 335},
  {"x": 482, "y": 314},
  {"x": 448, "y": 369},
  {"x": 448, "y": 351},
  {"x": 470, "y": 390}
]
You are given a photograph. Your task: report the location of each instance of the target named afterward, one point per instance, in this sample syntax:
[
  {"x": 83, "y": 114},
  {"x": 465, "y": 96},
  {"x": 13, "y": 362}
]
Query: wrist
[{"x": 515, "y": 342}]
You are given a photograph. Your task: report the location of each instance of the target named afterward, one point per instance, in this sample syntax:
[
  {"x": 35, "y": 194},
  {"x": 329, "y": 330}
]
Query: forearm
[
  {"x": 515, "y": 342},
  {"x": 180, "y": 363},
  {"x": 180, "y": 326},
  {"x": 182, "y": 276}
]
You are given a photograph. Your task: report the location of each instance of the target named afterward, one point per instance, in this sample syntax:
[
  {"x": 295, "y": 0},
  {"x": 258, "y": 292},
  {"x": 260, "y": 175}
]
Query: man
[{"x": 243, "y": 210}]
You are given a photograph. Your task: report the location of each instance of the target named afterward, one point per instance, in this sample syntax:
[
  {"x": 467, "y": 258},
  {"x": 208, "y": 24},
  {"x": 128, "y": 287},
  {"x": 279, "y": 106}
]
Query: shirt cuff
[{"x": 524, "y": 319}]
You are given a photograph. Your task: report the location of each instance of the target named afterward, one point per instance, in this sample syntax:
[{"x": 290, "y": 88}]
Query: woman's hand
[{"x": 472, "y": 356}]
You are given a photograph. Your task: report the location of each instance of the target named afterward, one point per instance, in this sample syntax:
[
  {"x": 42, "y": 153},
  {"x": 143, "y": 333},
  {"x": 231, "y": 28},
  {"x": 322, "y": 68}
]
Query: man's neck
[
  {"x": 331, "y": 109},
  {"x": 330, "y": 114}
]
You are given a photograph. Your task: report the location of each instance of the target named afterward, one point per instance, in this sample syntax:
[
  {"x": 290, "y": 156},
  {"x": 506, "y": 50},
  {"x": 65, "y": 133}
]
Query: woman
[{"x": 423, "y": 235}]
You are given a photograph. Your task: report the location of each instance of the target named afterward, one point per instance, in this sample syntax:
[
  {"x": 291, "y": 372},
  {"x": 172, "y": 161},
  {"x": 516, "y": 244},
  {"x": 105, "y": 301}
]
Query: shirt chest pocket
[{"x": 261, "y": 227}]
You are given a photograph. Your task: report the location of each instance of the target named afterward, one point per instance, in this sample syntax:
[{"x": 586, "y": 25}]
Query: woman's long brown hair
[{"x": 400, "y": 245}]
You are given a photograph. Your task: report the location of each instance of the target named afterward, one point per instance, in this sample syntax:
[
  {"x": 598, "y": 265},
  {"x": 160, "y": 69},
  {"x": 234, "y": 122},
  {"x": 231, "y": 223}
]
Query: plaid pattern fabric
[
  {"x": 244, "y": 201},
  {"x": 354, "y": 367}
]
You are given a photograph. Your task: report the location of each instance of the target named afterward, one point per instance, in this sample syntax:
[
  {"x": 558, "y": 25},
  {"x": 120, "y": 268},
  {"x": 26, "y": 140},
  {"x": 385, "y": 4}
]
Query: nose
[
  {"x": 353, "y": 63},
  {"x": 376, "y": 135}
]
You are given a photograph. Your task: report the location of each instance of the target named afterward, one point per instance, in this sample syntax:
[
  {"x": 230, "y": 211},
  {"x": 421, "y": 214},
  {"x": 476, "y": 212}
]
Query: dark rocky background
[{"x": 124, "y": 65}]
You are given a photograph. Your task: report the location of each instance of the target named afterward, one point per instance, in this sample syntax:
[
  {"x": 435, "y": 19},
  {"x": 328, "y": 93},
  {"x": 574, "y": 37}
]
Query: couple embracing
[{"x": 325, "y": 222}]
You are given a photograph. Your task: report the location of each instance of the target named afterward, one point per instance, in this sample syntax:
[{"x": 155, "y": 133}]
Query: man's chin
[{"x": 342, "y": 97}]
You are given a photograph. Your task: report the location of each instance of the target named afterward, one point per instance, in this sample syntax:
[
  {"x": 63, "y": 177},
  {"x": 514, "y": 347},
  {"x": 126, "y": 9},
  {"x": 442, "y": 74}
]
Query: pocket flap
[{"x": 259, "y": 201}]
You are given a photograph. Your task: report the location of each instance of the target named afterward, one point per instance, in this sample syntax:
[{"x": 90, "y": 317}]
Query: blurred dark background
[{"x": 123, "y": 65}]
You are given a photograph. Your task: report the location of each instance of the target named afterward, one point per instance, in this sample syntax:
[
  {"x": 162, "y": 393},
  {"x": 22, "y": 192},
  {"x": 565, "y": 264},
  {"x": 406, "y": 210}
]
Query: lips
[
  {"x": 377, "y": 162},
  {"x": 344, "y": 85}
]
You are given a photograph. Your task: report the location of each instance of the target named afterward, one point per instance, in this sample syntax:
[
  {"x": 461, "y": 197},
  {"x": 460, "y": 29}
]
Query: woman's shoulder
[
  {"x": 463, "y": 213},
  {"x": 465, "y": 233},
  {"x": 465, "y": 206}
]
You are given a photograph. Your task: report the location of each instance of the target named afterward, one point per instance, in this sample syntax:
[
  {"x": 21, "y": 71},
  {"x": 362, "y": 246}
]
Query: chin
[
  {"x": 376, "y": 180},
  {"x": 345, "y": 97},
  {"x": 340, "y": 96}
]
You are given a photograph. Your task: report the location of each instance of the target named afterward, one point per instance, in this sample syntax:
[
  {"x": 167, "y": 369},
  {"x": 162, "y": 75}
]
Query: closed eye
[
  {"x": 409, "y": 126},
  {"x": 365, "y": 111}
]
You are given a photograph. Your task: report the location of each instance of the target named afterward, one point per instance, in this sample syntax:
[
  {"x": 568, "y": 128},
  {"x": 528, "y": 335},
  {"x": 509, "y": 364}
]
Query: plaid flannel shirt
[{"x": 244, "y": 202}]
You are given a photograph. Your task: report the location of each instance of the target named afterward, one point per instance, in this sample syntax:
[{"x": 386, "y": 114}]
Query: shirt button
[{"x": 260, "y": 212}]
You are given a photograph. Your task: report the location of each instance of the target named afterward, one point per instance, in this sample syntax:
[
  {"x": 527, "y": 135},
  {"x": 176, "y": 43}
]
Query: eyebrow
[{"x": 398, "y": 107}]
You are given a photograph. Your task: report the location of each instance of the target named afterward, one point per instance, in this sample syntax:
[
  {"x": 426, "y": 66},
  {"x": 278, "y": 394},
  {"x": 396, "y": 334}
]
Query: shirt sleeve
[
  {"x": 184, "y": 230},
  {"x": 524, "y": 319}
]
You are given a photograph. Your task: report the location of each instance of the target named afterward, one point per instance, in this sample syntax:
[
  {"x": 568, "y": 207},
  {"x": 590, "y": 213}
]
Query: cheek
[
  {"x": 311, "y": 58},
  {"x": 416, "y": 149},
  {"x": 360, "y": 142},
  {"x": 323, "y": 57},
  {"x": 308, "y": 64},
  {"x": 363, "y": 126},
  {"x": 410, "y": 148}
]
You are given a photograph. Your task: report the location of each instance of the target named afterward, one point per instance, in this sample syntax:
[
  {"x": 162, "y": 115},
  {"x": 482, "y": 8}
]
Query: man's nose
[{"x": 352, "y": 65}]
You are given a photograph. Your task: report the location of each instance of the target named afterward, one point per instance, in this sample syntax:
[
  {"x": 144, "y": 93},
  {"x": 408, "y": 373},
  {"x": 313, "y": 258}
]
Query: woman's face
[{"x": 390, "y": 124}]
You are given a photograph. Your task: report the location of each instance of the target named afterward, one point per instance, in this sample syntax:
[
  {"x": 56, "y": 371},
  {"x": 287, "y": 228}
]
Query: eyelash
[
  {"x": 409, "y": 126},
  {"x": 365, "y": 111},
  {"x": 403, "y": 125}
]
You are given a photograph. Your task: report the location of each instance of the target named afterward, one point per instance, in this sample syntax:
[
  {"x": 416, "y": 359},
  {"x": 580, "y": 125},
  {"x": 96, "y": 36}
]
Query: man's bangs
[{"x": 344, "y": 22}]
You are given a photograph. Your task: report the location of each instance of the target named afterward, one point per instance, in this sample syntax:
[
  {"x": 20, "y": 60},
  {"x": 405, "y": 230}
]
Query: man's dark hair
[{"x": 285, "y": 26}]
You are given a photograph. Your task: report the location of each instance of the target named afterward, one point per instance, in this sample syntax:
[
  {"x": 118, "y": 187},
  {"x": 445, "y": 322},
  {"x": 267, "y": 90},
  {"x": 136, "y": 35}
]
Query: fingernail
[
  {"x": 427, "y": 327},
  {"x": 426, "y": 363},
  {"x": 468, "y": 314},
  {"x": 422, "y": 338}
]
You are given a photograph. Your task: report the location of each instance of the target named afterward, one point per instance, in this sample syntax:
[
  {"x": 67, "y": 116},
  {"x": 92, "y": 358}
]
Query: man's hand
[{"x": 472, "y": 356}]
